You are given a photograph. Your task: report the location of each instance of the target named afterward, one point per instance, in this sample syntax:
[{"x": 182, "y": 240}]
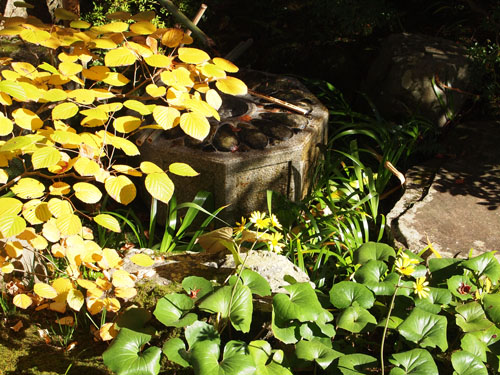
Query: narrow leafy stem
[{"x": 391, "y": 306}]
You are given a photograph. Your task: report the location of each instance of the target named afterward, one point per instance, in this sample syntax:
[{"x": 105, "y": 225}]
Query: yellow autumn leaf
[
  {"x": 232, "y": 86},
  {"x": 66, "y": 138},
  {"x": 110, "y": 259},
  {"x": 62, "y": 285},
  {"x": 119, "y": 57},
  {"x": 96, "y": 73},
  {"x": 79, "y": 24},
  {"x": 59, "y": 207},
  {"x": 95, "y": 113},
  {"x": 13, "y": 249},
  {"x": 51, "y": 232},
  {"x": 22, "y": 301},
  {"x": 143, "y": 28},
  {"x": 86, "y": 167},
  {"x": 110, "y": 107},
  {"x": 55, "y": 95},
  {"x": 69, "y": 224},
  {"x": 150, "y": 167},
  {"x": 64, "y": 14},
  {"x": 201, "y": 107},
  {"x": 158, "y": 61},
  {"x": 172, "y": 37},
  {"x": 115, "y": 79},
  {"x": 75, "y": 299},
  {"x": 125, "y": 293},
  {"x": 64, "y": 111},
  {"x": 213, "y": 98},
  {"x": 166, "y": 117},
  {"x": 126, "y": 124},
  {"x": 28, "y": 188},
  {"x": 108, "y": 332},
  {"x": 34, "y": 35},
  {"x": 7, "y": 268},
  {"x": 227, "y": 65},
  {"x": 82, "y": 96},
  {"x": 13, "y": 89},
  {"x": 11, "y": 225},
  {"x": 144, "y": 16},
  {"x": 59, "y": 188},
  {"x": 213, "y": 71},
  {"x": 182, "y": 169},
  {"x": 138, "y": 106},
  {"x": 128, "y": 147},
  {"x": 5, "y": 99},
  {"x": 126, "y": 169},
  {"x": 160, "y": 186},
  {"x": 10, "y": 206},
  {"x": 142, "y": 260},
  {"x": 36, "y": 212},
  {"x": 4, "y": 176},
  {"x": 156, "y": 91},
  {"x": 59, "y": 307},
  {"x": 192, "y": 55},
  {"x": 68, "y": 68},
  {"x": 123, "y": 279},
  {"x": 103, "y": 43},
  {"x": 87, "y": 193},
  {"x": 179, "y": 78},
  {"x": 39, "y": 242},
  {"x": 111, "y": 304},
  {"x": 113, "y": 27},
  {"x": 120, "y": 188},
  {"x": 195, "y": 125},
  {"x": 24, "y": 69},
  {"x": 45, "y": 157},
  {"x": 45, "y": 291},
  {"x": 27, "y": 119},
  {"x": 109, "y": 222}
]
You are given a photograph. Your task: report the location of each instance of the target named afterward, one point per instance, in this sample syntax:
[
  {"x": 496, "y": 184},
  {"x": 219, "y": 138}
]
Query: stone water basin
[{"x": 257, "y": 146}]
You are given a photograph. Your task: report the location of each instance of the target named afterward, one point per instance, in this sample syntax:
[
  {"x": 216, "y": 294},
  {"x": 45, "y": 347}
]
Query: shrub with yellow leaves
[{"x": 64, "y": 124}]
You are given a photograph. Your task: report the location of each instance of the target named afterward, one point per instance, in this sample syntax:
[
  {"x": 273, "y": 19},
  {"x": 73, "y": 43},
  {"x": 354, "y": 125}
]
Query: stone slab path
[{"x": 454, "y": 201}]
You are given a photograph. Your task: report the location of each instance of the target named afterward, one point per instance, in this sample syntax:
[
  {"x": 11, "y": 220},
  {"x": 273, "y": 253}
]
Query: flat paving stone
[{"x": 454, "y": 201}]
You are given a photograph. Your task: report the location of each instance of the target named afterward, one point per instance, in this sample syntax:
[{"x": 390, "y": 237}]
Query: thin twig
[{"x": 280, "y": 102}]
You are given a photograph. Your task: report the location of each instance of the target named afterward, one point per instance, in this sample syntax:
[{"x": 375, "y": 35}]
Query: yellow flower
[
  {"x": 259, "y": 220},
  {"x": 404, "y": 264},
  {"x": 274, "y": 221},
  {"x": 421, "y": 289},
  {"x": 240, "y": 226},
  {"x": 274, "y": 244}
]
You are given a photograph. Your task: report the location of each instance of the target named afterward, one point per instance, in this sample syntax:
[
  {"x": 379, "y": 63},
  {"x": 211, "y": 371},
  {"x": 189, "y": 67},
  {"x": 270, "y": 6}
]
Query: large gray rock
[
  {"x": 166, "y": 269},
  {"x": 400, "y": 80},
  {"x": 454, "y": 201}
]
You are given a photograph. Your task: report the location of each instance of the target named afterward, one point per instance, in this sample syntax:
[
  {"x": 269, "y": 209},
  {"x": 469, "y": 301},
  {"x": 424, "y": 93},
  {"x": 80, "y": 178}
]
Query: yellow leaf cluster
[{"x": 109, "y": 80}]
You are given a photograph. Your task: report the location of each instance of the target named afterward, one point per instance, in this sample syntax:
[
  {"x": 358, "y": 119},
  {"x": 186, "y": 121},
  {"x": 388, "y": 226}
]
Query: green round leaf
[
  {"x": 475, "y": 346},
  {"x": 491, "y": 303},
  {"x": 373, "y": 251},
  {"x": 471, "y": 317},
  {"x": 201, "y": 331},
  {"x": 355, "y": 318},
  {"x": 125, "y": 355},
  {"x": 236, "y": 305},
  {"x": 343, "y": 294},
  {"x": 257, "y": 284},
  {"x": 355, "y": 364},
  {"x": 134, "y": 318},
  {"x": 425, "y": 329},
  {"x": 461, "y": 286},
  {"x": 484, "y": 264},
  {"x": 465, "y": 363},
  {"x": 414, "y": 362},
  {"x": 173, "y": 349},
  {"x": 197, "y": 287},
  {"x": 316, "y": 351},
  {"x": 173, "y": 310}
]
